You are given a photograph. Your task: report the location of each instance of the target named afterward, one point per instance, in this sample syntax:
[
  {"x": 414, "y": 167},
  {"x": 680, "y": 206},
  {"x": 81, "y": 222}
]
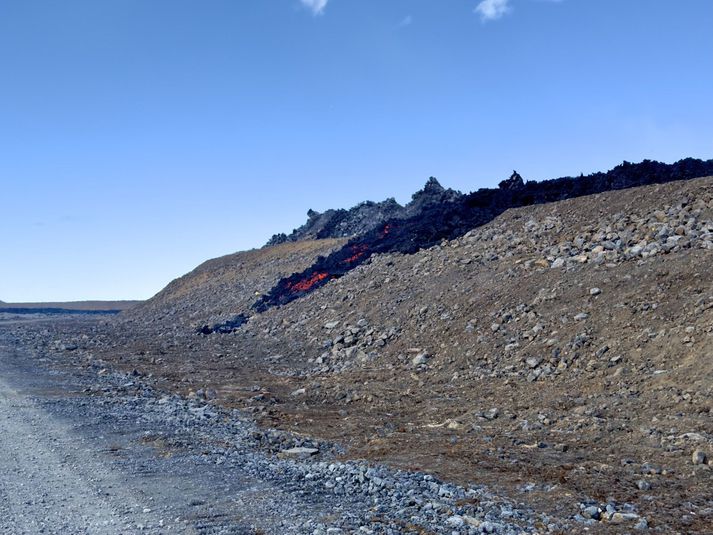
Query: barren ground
[{"x": 550, "y": 355}]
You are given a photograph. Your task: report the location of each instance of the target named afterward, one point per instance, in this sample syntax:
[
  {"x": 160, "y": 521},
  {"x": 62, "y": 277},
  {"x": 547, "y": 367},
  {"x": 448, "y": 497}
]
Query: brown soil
[{"x": 587, "y": 407}]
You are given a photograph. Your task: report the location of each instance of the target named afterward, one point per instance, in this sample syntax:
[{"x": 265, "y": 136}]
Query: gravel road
[
  {"x": 71, "y": 467},
  {"x": 91, "y": 451}
]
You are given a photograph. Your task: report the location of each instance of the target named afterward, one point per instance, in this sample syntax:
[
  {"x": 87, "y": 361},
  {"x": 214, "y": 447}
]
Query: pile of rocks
[
  {"x": 593, "y": 512},
  {"x": 367, "y": 215},
  {"x": 554, "y": 242},
  {"x": 635, "y": 236},
  {"x": 352, "y": 345}
]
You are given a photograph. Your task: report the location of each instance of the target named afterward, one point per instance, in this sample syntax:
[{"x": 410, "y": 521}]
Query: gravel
[{"x": 104, "y": 452}]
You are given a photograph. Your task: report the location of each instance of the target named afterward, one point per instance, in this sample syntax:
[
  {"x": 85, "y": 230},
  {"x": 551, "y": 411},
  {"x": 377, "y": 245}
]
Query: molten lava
[
  {"x": 307, "y": 284},
  {"x": 358, "y": 251},
  {"x": 435, "y": 222}
]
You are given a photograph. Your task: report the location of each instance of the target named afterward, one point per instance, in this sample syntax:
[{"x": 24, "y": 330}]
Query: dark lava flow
[{"x": 438, "y": 221}]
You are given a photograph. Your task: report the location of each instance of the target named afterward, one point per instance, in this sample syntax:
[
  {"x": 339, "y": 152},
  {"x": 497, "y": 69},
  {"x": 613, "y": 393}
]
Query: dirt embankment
[
  {"x": 220, "y": 288},
  {"x": 562, "y": 353}
]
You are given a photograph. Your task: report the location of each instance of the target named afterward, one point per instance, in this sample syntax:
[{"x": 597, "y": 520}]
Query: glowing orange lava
[
  {"x": 306, "y": 284},
  {"x": 358, "y": 251}
]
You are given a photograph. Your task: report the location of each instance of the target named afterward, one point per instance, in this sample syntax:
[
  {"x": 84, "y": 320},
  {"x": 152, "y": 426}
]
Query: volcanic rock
[
  {"x": 366, "y": 216},
  {"x": 513, "y": 183},
  {"x": 298, "y": 453},
  {"x": 699, "y": 457}
]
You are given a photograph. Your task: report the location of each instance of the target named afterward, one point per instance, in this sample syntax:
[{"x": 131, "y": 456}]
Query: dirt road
[{"x": 77, "y": 464}]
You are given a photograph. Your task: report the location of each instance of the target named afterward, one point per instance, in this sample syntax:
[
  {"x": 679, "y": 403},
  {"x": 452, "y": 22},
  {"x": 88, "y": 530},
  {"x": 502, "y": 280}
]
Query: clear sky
[{"x": 141, "y": 137}]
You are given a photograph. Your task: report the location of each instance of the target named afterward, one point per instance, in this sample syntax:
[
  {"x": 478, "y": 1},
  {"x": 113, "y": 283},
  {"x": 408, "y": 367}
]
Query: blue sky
[{"x": 140, "y": 138}]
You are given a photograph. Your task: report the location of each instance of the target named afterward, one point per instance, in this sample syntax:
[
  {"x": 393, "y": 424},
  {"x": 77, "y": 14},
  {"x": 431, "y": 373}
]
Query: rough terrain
[
  {"x": 558, "y": 360},
  {"x": 366, "y": 216},
  {"x": 561, "y": 353},
  {"x": 213, "y": 291},
  {"x": 91, "y": 451}
]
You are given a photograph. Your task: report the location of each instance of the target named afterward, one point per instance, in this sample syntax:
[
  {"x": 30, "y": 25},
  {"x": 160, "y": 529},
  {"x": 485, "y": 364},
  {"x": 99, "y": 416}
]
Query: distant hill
[{"x": 68, "y": 307}]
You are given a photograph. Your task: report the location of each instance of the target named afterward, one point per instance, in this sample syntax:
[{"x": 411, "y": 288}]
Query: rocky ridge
[
  {"x": 554, "y": 242},
  {"x": 366, "y": 216},
  {"x": 435, "y": 222}
]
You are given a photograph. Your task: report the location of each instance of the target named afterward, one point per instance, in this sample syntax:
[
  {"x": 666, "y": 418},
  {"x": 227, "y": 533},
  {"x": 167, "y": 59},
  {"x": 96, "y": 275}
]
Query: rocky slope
[
  {"x": 108, "y": 453},
  {"x": 471, "y": 208},
  {"x": 561, "y": 352},
  {"x": 218, "y": 289}
]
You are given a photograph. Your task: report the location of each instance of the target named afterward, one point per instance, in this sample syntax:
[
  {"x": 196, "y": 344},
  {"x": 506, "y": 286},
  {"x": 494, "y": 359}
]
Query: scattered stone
[
  {"x": 622, "y": 518},
  {"x": 492, "y": 414},
  {"x": 642, "y": 525},
  {"x": 533, "y": 362},
  {"x": 455, "y": 522},
  {"x": 420, "y": 359},
  {"x": 602, "y": 351},
  {"x": 699, "y": 457},
  {"x": 592, "y": 511},
  {"x": 642, "y": 484},
  {"x": 298, "y": 453}
]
